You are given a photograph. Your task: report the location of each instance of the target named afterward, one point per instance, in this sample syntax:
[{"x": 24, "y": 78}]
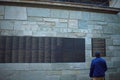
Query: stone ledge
[{"x": 62, "y": 5}]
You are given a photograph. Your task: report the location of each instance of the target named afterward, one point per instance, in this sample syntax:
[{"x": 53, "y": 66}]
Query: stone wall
[
  {"x": 115, "y": 3},
  {"x": 33, "y": 21}
]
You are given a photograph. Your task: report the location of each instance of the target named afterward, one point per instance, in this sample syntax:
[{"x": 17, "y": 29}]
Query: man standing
[{"x": 98, "y": 68}]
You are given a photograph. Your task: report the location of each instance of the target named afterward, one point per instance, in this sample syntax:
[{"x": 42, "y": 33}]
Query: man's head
[{"x": 97, "y": 54}]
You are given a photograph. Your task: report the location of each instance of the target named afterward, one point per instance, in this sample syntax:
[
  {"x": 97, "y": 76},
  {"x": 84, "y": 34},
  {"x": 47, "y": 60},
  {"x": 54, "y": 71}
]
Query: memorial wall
[{"x": 42, "y": 43}]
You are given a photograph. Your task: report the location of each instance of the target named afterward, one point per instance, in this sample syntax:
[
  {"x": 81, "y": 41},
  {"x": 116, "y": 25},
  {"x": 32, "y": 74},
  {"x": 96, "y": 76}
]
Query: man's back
[{"x": 100, "y": 67}]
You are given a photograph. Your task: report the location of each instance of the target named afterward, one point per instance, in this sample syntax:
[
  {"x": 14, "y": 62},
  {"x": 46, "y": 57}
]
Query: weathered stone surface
[
  {"x": 116, "y": 39},
  {"x": 25, "y": 25},
  {"x": 55, "y": 13},
  {"x": 85, "y": 16},
  {"x": 116, "y": 53},
  {"x": 60, "y": 66},
  {"x": 6, "y": 32},
  {"x": 42, "y": 33},
  {"x": 116, "y": 42},
  {"x": 27, "y": 33},
  {"x": 38, "y": 12},
  {"x": 18, "y": 33},
  {"x": 36, "y": 66},
  {"x": 97, "y": 16},
  {"x": 114, "y": 76},
  {"x": 14, "y": 66},
  {"x": 75, "y": 15},
  {"x": 60, "y": 23},
  {"x": 35, "y": 19},
  {"x": 68, "y": 77},
  {"x": 82, "y": 24},
  {"x": 64, "y": 25},
  {"x": 1, "y": 17},
  {"x": 116, "y": 59},
  {"x": 8, "y": 25},
  {"x": 52, "y": 77},
  {"x": 73, "y": 24},
  {"x": 58, "y": 29},
  {"x": 108, "y": 30},
  {"x": 51, "y": 19},
  {"x": 18, "y": 13},
  {"x": 111, "y": 18},
  {"x": 83, "y": 76},
  {"x": 64, "y": 72},
  {"x": 88, "y": 40},
  {"x": 1, "y": 10},
  {"x": 63, "y": 20}
]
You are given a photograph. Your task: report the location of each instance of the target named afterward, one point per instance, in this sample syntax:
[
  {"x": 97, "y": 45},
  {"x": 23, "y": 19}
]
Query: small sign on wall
[{"x": 98, "y": 45}]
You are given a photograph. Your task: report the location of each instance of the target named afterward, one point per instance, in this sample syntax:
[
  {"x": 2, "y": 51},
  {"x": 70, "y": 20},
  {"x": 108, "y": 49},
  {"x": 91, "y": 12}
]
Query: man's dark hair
[{"x": 97, "y": 54}]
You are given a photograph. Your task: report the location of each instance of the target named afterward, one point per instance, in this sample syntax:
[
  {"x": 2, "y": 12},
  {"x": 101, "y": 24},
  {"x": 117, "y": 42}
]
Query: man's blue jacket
[{"x": 98, "y": 68}]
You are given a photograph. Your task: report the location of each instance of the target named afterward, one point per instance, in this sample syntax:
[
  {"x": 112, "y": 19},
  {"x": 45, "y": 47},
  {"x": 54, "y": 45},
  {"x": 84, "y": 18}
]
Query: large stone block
[
  {"x": 52, "y": 77},
  {"x": 116, "y": 63},
  {"x": 97, "y": 16},
  {"x": 60, "y": 66},
  {"x": 6, "y": 32},
  {"x": 83, "y": 77},
  {"x": 82, "y": 24},
  {"x": 63, "y": 20},
  {"x": 32, "y": 75},
  {"x": 41, "y": 66},
  {"x": 26, "y": 75},
  {"x": 102, "y": 23},
  {"x": 7, "y": 74},
  {"x": 18, "y": 13},
  {"x": 8, "y": 25},
  {"x": 59, "y": 13},
  {"x": 85, "y": 16},
  {"x": 1, "y": 10},
  {"x": 27, "y": 33},
  {"x": 116, "y": 53},
  {"x": 18, "y": 33},
  {"x": 68, "y": 77},
  {"x": 1, "y": 17},
  {"x": 73, "y": 24},
  {"x": 58, "y": 29},
  {"x": 116, "y": 42},
  {"x": 111, "y": 18},
  {"x": 116, "y": 39},
  {"x": 108, "y": 30},
  {"x": 35, "y": 19},
  {"x": 51, "y": 19},
  {"x": 114, "y": 76},
  {"x": 75, "y": 15},
  {"x": 76, "y": 66},
  {"x": 70, "y": 72},
  {"x": 38, "y": 12},
  {"x": 116, "y": 58},
  {"x": 14, "y": 66},
  {"x": 109, "y": 42},
  {"x": 25, "y": 25},
  {"x": 64, "y": 25}
]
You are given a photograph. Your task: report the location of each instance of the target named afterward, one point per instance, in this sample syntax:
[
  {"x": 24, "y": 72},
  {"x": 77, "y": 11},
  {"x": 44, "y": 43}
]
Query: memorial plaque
[
  {"x": 22, "y": 49},
  {"x": 98, "y": 45},
  {"x": 35, "y": 49},
  {"x": 8, "y": 50},
  {"x": 41, "y": 49},
  {"x": 19, "y": 49},
  {"x": 28, "y": 54},
  {"x": 15, "y": 48},
  {"x": 2, "y": 49}
]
